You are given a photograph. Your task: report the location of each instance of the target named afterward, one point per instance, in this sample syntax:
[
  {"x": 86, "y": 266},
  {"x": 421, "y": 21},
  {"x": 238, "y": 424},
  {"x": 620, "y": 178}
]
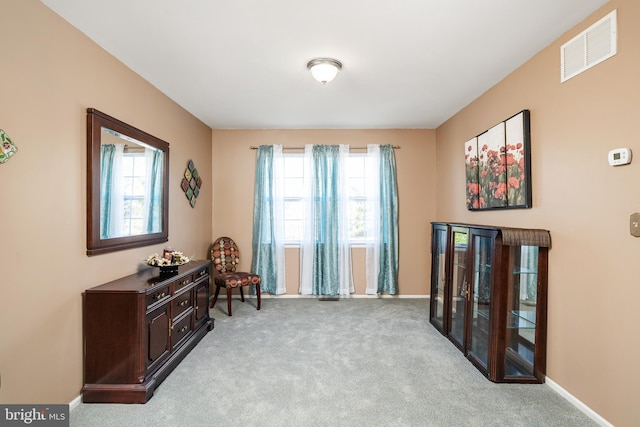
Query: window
[
  {"x": 347, "y": 198},
  {"x": 358, "y": 219},
  {"x": 294, "y": 201},
  {"x": 293, "y": 197}
]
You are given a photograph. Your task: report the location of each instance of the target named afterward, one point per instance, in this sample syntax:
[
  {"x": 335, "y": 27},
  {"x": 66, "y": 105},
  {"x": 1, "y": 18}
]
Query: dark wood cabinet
[
  {"x": 489, "y": 297},
  {"x": 138, "y": 328},
  {"x": 157, "y": 325}
]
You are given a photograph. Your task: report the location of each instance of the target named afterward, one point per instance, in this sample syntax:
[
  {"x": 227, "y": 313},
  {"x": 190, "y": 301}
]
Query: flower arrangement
[{"x": 168, "y": 258}]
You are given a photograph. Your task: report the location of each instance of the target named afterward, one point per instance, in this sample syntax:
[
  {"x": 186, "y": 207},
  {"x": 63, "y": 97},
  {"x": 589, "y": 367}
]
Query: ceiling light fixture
[{"x": 324, "y": 69}]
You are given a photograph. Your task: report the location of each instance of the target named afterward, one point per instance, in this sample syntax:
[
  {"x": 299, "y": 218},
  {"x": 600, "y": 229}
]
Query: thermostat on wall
[{"x": 620, "y": 156}]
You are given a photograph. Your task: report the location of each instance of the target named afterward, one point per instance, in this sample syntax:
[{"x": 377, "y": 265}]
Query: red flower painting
[{"x": 497, "y": 166}]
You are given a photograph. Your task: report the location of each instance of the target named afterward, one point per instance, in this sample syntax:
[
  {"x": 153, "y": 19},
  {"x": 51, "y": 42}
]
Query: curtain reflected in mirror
[
  {"x": 111, "y": 191},
  {"x": 127, "y": 203}
]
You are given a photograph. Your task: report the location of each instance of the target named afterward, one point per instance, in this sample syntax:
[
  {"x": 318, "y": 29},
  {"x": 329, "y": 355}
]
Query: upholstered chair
[{"x": 225, "y": 257}]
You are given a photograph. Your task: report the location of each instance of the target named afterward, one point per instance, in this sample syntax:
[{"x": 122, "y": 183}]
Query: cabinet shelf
[
  {"x": 525, "y": 271},
  {"x": 521, "y": 319}
]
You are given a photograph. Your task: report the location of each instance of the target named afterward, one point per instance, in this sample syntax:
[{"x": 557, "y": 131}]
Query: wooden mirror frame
[{"x": 96, "y": 120}]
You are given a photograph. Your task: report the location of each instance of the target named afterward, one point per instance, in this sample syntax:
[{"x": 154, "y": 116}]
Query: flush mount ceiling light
[{"x": 324, "y": 69}]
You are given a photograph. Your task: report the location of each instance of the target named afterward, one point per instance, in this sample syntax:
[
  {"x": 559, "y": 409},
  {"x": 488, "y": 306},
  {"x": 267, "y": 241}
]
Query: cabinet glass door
[
  {"x": 439, "y": 278},
  {"x": 522, "y": 298},
  {"x": 480, "y": 299},
  {"x": 459, "y": 244}
]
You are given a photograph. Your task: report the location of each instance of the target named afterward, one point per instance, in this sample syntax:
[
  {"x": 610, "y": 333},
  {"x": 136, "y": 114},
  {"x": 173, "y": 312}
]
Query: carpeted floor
[{"x": 353, "y": 362}]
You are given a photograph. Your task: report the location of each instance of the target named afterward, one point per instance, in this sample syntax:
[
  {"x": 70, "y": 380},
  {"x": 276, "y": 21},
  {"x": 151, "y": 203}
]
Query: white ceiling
[{"x": 242, "y": 63}]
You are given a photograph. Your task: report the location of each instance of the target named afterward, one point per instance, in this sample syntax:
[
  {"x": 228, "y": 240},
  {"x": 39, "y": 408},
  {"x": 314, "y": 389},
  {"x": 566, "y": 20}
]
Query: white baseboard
[
  {"x": 577, "y": 403},
  {"x": 75, "y": 403}
]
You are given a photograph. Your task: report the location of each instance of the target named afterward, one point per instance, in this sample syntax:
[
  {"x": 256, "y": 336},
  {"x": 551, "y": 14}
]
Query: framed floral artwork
[{"x": 498, "y": 166}]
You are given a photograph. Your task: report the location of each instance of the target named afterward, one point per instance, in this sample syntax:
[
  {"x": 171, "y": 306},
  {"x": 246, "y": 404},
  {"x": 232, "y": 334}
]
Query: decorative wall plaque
[
  {"x": 7, "y": 148},
  {"x": 191, "y": 183}
]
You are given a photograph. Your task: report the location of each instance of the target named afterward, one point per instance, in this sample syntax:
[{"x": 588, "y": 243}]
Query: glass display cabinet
[
  {"x": 479, "y": 297},
  {"x": 489, "y": 297},
  {"x": 438, "y": 276},
  {"x": 456, "y": 297}
]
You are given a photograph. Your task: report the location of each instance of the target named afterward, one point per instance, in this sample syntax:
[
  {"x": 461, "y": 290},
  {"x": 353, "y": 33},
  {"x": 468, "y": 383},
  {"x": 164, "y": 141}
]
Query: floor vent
[{"x": 589, "y": 48}]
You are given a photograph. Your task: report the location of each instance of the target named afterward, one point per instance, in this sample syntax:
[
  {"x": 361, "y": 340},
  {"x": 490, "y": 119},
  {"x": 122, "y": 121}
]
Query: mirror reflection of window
[
  {"x": 133, "y": 178},
  {"x": 130, "y": 187}
]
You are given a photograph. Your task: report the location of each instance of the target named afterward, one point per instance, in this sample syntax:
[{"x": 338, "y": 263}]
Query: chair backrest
[{"x": 225, "y": 255}]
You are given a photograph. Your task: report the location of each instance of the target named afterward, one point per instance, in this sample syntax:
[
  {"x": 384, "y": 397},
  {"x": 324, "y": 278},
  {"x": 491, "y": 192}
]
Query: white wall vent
[{"x": 589, "y": 48}]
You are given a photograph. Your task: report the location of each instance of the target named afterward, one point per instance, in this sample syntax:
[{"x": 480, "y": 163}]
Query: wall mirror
[{"x": 127, "y": 186}]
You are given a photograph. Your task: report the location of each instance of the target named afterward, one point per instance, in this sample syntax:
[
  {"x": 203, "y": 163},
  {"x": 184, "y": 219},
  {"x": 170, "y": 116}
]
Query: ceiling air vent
[{"x": 591, "y": 47}]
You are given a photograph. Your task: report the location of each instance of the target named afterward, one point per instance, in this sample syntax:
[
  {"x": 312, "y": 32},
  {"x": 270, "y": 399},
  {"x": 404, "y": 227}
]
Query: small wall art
[
  {"x": 7, "y": 147},
  {"x": 191, "y": 183},
  {"x": 498, "y": 166}
]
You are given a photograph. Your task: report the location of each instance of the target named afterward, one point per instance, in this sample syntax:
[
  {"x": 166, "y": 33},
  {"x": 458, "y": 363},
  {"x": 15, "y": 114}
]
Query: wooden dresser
[{"x": 138, "y": 328}]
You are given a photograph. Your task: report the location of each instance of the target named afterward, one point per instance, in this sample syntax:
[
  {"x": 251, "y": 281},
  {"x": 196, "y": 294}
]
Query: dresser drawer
[
  {"x": 182, "y": 283},
  {"x": 158, "y": 295},
  {"x": 181, "y": 303},
  {"x": 181, "y": 329},
  {"x": 200, "y": 274}
]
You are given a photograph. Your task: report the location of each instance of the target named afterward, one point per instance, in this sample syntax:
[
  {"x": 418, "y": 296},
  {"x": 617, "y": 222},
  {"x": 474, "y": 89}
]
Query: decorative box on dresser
[
  {"x": 489, "y": 297},
  {"x": 138, "y": 328}
]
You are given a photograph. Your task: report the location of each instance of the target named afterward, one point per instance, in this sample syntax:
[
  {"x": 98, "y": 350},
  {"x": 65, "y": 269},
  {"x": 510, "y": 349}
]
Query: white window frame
[{"x": 287, "y": 197}]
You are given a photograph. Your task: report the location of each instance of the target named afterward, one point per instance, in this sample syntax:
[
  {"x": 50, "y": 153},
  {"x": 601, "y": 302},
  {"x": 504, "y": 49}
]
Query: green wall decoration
[
  {"x": 191, "y": 183},
  {"x": 7, "y": 147}
]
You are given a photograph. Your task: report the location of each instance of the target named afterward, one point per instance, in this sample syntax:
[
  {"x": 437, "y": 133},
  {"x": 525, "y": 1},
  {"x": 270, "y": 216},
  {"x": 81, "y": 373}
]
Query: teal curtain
[
  {"x": 268, "y": 237},
  {"x": 154, "y": 204},
  {"x": 388, "y": 273},
  {"x": 325, "y": 257},
  {"x": 107, "y": 155}
]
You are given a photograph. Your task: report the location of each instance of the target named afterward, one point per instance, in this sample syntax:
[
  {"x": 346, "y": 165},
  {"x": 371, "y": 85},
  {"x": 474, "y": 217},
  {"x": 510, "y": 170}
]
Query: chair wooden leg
[
  {"x": 215, "y": 297},
  {"x": 241, "y": 293},
  {"x": 258, "y": 295},
  {"x": 229, "y": 301}
]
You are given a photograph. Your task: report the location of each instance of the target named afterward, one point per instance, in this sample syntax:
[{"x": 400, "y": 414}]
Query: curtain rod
[{"x": 253, "y": 147}]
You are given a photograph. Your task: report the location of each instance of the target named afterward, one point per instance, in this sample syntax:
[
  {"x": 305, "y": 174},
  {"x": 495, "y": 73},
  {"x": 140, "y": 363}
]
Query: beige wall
[
  {"x": 50, "y": 75},
  {"x": 585, "y": 203},
  {"x": 234, "y": 171}
]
